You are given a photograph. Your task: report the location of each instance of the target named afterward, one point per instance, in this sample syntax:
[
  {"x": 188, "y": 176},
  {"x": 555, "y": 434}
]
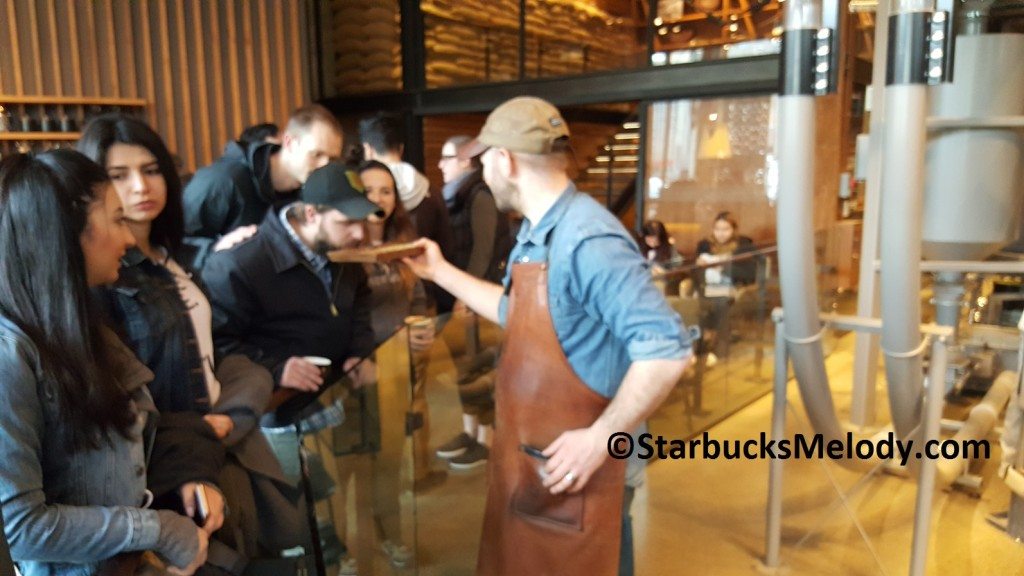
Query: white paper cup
[{"x": 324, "y": 364}]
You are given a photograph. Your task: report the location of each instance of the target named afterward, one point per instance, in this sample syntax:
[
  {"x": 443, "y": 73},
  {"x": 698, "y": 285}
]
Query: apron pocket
[{"x": 533, "y": 502}]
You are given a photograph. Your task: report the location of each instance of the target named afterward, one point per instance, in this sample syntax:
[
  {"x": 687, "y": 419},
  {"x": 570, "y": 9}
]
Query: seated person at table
[
  {"x": 658, "y": 247},
  {"x": 721, "y": 281}
]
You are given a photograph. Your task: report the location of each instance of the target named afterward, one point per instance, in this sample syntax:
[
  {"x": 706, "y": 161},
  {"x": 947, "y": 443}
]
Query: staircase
[{"x": 610, "y": 177}]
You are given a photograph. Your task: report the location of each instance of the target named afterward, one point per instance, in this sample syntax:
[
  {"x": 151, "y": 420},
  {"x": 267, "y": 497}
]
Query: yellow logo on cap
[{"x": 354, "y": 181}]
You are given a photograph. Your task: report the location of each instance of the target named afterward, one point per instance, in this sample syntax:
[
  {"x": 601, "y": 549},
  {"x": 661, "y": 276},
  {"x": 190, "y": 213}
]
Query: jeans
[{"x": 626, "y": 546}]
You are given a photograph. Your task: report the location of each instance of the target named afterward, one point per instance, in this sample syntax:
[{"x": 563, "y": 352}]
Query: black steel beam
[
  {"x": 698, "y": 80},
  {"x": 366, "y": 104},
  {"x": 590, "y": 116},
  {"x": 414, "y": 48}
]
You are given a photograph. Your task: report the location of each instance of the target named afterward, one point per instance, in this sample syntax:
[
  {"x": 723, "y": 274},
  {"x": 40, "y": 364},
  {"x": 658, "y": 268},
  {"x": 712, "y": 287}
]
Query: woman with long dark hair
[
  {"x": 78, "y": 418},
  {"x": 721, "y": 278},
  {"x": 396, "y": 295},
  {"x": 166, "y": 319},
  {"x": 657, "y": 246},
  {"x": 397, "y": 292}
]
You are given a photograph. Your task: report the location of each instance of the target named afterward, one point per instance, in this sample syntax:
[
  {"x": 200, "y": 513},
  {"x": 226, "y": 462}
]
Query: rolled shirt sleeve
[{"x": 612, "y": 282}]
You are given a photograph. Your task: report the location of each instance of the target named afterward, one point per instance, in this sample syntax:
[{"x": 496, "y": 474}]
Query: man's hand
[
  {"x": 215, "y": 511},
  {"x": 236, "y": 236},
  {"x": 364, "y": 375},
  {"x": 426, "y": 265},
  {"x": 222, "y": 425},
  {"x": 199, "y": 560},
  {"x": 301, "y": 375},
  {"x": 579, "y": 452}
]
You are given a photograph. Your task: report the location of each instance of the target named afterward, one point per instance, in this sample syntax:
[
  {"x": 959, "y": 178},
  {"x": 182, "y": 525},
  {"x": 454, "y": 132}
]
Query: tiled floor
[{"x": 708, "y": 517}]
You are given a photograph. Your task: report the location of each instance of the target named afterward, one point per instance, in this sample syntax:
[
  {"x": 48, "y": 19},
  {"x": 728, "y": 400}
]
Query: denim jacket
[
  {"x": 62, "y": 506},
  {"x": 146, "y": 304},
  {"x": 605, "y": 308},
  {"x": 147, "y": 307}
]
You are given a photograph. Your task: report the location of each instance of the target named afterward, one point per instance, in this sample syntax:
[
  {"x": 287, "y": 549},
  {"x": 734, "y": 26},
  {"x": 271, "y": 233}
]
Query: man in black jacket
[
  {"x": 252, "y": 177},
  {"x": 277, "y": 298},
  {"x": 481, "y": 244}
]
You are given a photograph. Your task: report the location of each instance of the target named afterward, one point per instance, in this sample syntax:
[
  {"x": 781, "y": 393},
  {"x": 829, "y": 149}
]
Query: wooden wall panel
[{"x": 207, "y": 68}]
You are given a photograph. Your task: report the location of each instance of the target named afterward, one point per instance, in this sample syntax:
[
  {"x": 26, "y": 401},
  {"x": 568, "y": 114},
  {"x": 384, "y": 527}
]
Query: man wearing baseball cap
[
  {"x": 277, "y": 298},
  {"x": 591, "y": 349}
]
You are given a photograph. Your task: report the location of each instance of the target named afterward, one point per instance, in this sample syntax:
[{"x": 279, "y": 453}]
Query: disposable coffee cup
[
  {"x": 324, "y": 364},
  {"x": 419, "y": 322}
]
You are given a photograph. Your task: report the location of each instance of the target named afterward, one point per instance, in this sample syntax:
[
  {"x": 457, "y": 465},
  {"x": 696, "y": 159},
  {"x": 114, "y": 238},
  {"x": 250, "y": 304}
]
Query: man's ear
[
  {"x": 288, "y": 140},
  {"x": 310, "y": 212},
  {"x": 368, "y": 152},
  {"x": 507, "y": 164}
]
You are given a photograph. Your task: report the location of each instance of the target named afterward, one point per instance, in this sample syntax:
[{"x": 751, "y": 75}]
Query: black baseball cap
[{"x": 337, "y": 187}]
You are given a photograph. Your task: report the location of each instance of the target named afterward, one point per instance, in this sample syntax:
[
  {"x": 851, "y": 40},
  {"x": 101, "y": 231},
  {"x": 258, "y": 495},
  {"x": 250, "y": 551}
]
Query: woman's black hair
[
  {"x": 657, "y": 229},
  {"x": 44, "y": 209},
  {"x": 104, "y": 131},
  {"x": 398, "y": 226}
]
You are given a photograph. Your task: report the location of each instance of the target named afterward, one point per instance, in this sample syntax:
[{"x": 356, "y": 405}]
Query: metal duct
[
  {"x": 795, "y": 217},
  {"x": 972, "y": 200}
]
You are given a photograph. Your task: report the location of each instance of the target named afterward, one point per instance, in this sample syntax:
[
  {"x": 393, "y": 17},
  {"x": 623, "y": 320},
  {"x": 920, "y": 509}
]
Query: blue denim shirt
[
  {"x": 606, "y": 310},
  {"x": 65, "y": 511}
]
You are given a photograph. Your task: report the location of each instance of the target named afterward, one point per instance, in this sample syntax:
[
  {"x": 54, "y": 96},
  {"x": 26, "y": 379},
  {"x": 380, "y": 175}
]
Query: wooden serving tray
[{"x": 387, "y": 253}]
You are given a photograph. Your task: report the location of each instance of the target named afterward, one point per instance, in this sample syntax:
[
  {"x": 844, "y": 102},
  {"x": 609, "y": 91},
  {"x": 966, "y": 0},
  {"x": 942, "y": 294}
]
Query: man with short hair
[
  {"x": 383, "y": 140},
  {"x": 591, "y": 349},
  {"x": 276, "y": 297},
  {"x": 224, "y": 200},
  {"x": 481, "y": 243}
]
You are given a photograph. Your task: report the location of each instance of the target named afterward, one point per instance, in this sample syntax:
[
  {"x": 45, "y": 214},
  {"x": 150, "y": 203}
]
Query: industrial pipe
[
  {"x": 795, "y": 217},
  {"x": 980, "y": 421},
  {"x": 795, "y": 214},
  {"x": 903, "y": 146}
]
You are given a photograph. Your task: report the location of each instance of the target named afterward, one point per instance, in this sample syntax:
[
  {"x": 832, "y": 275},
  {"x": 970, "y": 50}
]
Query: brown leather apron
[{"x": 527, "y": 530}]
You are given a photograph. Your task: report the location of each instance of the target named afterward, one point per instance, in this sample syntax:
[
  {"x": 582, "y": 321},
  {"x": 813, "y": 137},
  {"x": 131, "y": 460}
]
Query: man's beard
[
  {"x": 322, "y": 246},
  {"x": 506, "y": 196}
]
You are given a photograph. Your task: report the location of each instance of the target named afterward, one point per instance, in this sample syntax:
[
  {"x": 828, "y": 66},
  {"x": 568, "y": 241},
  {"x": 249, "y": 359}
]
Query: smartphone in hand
[
  {"x": 535, "y": 452},
  {"x": 202, "y": 506},
  {"x": 538, "y": 455}
]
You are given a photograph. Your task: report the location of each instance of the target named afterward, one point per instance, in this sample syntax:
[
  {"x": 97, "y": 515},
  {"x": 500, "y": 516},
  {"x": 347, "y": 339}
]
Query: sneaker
[
  {"x": 473, "y": 457},
  {"x": 348, "y": 567},
  {"x": 398, "y": 554},
  {"x": 455, "y": 447}
]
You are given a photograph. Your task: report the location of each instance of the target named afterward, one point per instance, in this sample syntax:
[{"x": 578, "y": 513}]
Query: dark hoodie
[{"x": 234, "y": 191}]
